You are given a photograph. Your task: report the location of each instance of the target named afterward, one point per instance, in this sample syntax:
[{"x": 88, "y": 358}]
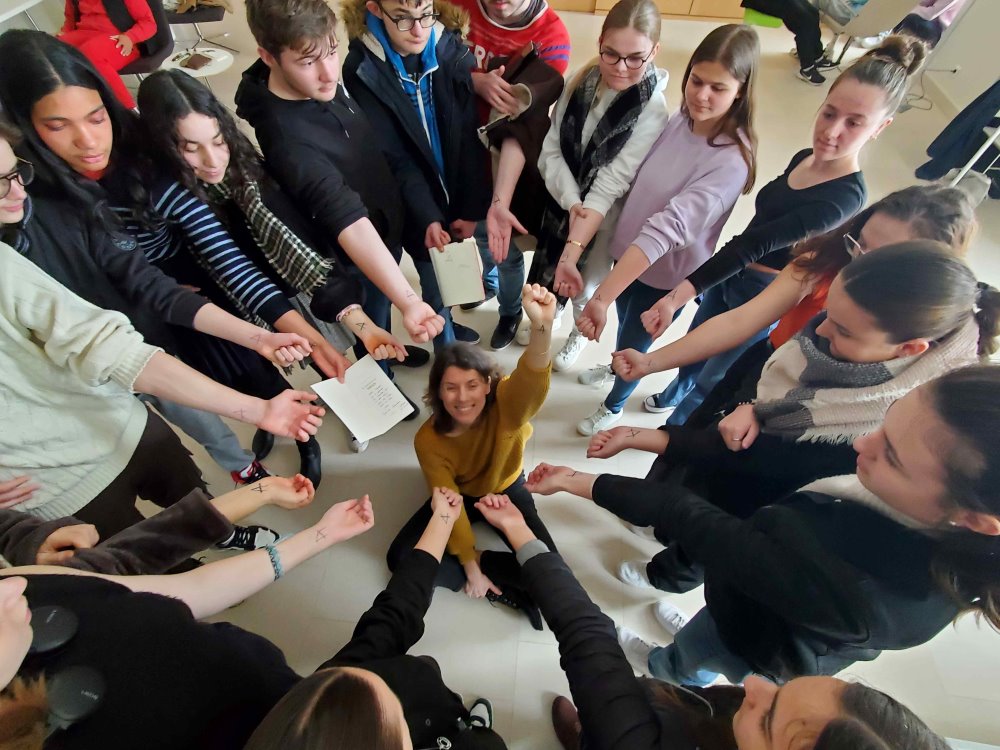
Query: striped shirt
[{"x": 190, "y": 222}]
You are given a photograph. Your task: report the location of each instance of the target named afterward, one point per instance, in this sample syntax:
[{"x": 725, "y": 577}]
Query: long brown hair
[
  {"x": 889, "y": 67},
  {"x": 464, "y": 357},
  {"x": 333, "y": 708},
  {"x": 736, "y": 48},
  {"x": 641, "y": 15},
  {"x": 933, "y": 212}
]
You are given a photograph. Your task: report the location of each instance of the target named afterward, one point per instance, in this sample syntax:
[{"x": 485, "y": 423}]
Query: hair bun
[{"x": 910, "y": 52}]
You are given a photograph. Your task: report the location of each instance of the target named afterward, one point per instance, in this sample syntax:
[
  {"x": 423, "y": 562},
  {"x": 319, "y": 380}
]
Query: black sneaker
[
  {"x": 249, "y": 538},
  {"x": 415, "y": 357},
  {"x": 473, "y": 305},
  {"x": 811, "y": 76},
  {"x": 518, "y": 600},
  {"x": 505, "y": 331},
  {"x": 263, "y": 442},
  {"x": 465, "y": 334},
  {"x": 481, "y": 714},
  {"x": 825, "y": 63},
  {"x": 416, "y": 409}
]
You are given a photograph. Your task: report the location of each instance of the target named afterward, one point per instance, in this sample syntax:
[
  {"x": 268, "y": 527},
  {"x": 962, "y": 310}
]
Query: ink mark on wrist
[{"x": 320, "y": 535}]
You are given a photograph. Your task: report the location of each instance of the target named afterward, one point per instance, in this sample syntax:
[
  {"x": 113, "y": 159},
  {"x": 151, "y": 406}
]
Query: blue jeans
[
  {"x": 505, "y": 280},
  {"x": 208, "y": 430},
  {"x": 697, "y": 656},
  {"x": 431, "y": 294},
  {"x": 633, "y": 302},
  {"x": 693, "y": 382},
  {"x": 377, "y": 307}
]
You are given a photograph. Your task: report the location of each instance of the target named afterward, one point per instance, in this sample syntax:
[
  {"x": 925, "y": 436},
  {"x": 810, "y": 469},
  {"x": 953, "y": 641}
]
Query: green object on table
[{"x": 756, "y": 18}]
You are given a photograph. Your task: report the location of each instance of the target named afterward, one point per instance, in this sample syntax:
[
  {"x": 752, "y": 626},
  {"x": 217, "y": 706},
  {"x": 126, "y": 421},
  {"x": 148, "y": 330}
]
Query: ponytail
[{"x": 889, "y": 67}]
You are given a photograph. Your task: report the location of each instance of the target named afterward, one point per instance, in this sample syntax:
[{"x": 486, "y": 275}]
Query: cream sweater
[{"x": 68, "y": 418}]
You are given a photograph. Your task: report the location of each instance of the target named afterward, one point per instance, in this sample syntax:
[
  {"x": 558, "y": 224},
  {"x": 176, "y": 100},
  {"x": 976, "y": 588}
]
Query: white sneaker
[
  {"x": 596, "y": 376},
  {"x": 636, "y": 649},
  {"x": 670, "y": 617},
  {"x": 567, "y": 356},
  {"x": 601, "y": 419},
  {"x": 646, "y": 532},
  {"x": 358, "y": 446},
  {"x": 523, "y": 335},
  {"x": 633, "y": 572}
]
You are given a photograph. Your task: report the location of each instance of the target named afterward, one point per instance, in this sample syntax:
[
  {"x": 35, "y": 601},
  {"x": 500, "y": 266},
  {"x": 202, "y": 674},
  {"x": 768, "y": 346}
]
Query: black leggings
[
  {"x": 499, "y": 567},
  {"x": 801, "y": 18}
]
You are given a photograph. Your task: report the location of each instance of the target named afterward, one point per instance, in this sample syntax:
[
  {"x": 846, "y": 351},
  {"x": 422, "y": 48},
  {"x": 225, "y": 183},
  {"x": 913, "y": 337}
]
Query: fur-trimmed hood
[{"x": 453, "y": 18}]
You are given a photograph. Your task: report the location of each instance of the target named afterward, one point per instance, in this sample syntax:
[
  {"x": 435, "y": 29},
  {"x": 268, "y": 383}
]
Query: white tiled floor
[{"x": 950, "y": 681}]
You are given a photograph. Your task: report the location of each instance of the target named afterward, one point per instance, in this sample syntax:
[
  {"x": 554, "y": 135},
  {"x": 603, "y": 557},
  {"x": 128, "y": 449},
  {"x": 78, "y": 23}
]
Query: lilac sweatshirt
[{"x": 680, "y": 199}]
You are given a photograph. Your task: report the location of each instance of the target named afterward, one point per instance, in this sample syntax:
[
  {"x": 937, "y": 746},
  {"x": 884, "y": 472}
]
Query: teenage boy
[
  {"x": 502, "y": 28},
  {"x": 409, "y": 70},
  {"x": 316, "y": 143}
]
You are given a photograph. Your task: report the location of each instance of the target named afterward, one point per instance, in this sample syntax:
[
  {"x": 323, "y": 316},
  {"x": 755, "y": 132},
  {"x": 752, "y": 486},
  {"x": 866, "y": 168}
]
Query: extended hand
[
  {"x": 60, "y": 545},
  {"x": 539, "y": 305},
  {"x": 499, "y": 511},
  {"x": 593, "y": 319},
  {"x": 568, "y": 281},
  {"x": 496, "y": 91},
  {"x": 15, "y": 491},
  {"x": 658, "y": 318},
  {"x": 124, "y": 44},
  {"x": 500, "y": 225},
  {"x": 381, "y": 344},
  {"x": 290, "y": 414},
  {"x": 476, "y": 582},
  {"x": 345, "y": 520},
  {"x": 290, "y": 493},
  {"x": 329, "y": 360},
  {"x": 630, "y": 364},
  {"x": 546, "y": 479},
  {"x": 445, "y": 501},
  {"x": 608, "y": 443},
  {"x": 740, "y": 428},
  {"x": 282, "y": 349},
  {"x": 421, "y": 322}
]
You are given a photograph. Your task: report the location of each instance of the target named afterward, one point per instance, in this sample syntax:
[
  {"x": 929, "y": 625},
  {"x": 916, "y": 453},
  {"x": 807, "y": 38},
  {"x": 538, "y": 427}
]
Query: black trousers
[
  {"x": 801, "y": 18},
  {"x": 499, "y": 567},
  {"x": 161, "y": 470}
]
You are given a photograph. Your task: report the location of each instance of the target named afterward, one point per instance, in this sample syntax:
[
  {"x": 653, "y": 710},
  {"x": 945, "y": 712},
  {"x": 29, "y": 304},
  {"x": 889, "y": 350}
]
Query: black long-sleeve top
[{"x": 784, "y": 216}]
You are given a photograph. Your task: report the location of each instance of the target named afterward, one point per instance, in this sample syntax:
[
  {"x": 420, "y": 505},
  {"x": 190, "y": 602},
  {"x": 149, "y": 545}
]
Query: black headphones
[{"x": 73, "y": 693}]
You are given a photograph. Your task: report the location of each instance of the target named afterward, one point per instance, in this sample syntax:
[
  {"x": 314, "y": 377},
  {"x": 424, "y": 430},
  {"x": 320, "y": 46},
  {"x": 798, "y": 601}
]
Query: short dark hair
[
  {"x": 300, "y": 25},
  {"x": 464, "y": 357}
]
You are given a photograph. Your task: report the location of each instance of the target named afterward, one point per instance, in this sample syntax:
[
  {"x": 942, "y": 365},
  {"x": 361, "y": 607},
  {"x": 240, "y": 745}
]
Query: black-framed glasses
[
  {"x": 632, "y": 62},
  {"x": 405, "y": 23},
  {"x": 854, "y": 248},
  {"x": 24, "y": 173}
]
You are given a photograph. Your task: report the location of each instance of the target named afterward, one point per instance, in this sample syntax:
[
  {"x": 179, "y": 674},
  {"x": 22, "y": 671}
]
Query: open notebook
[
  {"x": 459, "y": 271},
  {"x": 367, "y": 402}
]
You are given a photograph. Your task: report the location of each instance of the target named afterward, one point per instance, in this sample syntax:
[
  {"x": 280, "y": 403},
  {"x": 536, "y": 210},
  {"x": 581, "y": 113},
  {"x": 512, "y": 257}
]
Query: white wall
[
  {"x": 48, "y": 14},
  {"x": 972, "y": 43}
]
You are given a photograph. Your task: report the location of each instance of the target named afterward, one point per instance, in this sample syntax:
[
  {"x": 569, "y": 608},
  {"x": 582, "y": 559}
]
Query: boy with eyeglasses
[
  {"x": 318, "y": 146},
  {"x": 410, "y": 71}
]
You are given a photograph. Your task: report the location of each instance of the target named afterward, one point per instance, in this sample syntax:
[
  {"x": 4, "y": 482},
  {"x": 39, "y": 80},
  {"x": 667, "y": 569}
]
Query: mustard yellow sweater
[{"x": 489, "y": 456}]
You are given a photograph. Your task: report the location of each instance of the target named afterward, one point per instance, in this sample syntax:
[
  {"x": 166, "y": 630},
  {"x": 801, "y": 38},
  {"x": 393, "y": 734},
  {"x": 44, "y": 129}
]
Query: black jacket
[
  {"x": 373, "y": 82},
  {"x": 323, "y": 155},
  {"x": 379, "y": 644},
  {"x": 807, "y": 586},
  {"x": 109, "y": 272},
  {"x": 617, "y": 711}
]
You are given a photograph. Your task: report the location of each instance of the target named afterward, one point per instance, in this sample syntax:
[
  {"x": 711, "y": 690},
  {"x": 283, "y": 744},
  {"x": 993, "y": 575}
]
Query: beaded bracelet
[{"x": 272, "y": 552}]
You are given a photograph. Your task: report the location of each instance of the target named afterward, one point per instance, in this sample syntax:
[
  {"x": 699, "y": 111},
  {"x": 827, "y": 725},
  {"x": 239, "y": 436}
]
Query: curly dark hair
[
  {"x": 464, "y": 357},
  {"x": 166, "y": 97}
]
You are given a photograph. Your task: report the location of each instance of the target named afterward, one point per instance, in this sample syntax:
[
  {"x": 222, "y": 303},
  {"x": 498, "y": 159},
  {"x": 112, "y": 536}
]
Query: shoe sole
[
  {"x": 496, "y": 348},
  {"x": 656, "y": 409},
  {"x": 804, "y": 79}
]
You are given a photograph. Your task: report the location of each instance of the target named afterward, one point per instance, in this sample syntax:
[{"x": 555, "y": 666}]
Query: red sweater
[
  {"x": 488, "y": 39},
  {"x": 94, "y": 18}
]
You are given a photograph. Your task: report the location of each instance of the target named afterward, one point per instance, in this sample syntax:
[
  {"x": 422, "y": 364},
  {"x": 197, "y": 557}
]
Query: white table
[
  {"x": 11, "y": 8},
  {"x": 221, "y": 61}
]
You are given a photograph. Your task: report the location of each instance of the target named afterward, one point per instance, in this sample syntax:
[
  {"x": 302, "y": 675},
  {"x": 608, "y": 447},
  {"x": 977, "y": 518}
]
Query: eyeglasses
[
  {"x": 632, "y": 62},
  {"x": 854, "y": 248},
  {"x": 24, "y": 173},
  {"x": 405, "y": 23}
]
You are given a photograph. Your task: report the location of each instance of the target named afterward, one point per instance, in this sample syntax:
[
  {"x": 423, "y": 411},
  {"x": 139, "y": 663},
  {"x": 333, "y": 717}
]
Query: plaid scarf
[
  {"x": 806, "y": 395},
  {"x": 585, "y": 160},
  {"x": 299, "y": 265}
]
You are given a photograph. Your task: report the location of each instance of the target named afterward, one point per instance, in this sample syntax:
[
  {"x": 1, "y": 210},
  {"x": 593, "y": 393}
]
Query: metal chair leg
[{"x": 847, "y": 45}]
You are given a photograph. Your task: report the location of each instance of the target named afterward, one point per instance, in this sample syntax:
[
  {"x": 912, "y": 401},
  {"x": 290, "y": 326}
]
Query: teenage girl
[
  {"x": 820, "y": 188},
  {"x": 798, "y": 293},
  {"x": 680, "y": 199},
  {"x": 816, "y": 582},
  {"x": 87, "y": 150},
  {"x": 602, "y": 128}
]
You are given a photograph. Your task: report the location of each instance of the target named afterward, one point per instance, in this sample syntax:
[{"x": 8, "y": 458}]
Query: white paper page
[
  {"x": 459, "y": 271},
  {"x": 367, "y": 402}
]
